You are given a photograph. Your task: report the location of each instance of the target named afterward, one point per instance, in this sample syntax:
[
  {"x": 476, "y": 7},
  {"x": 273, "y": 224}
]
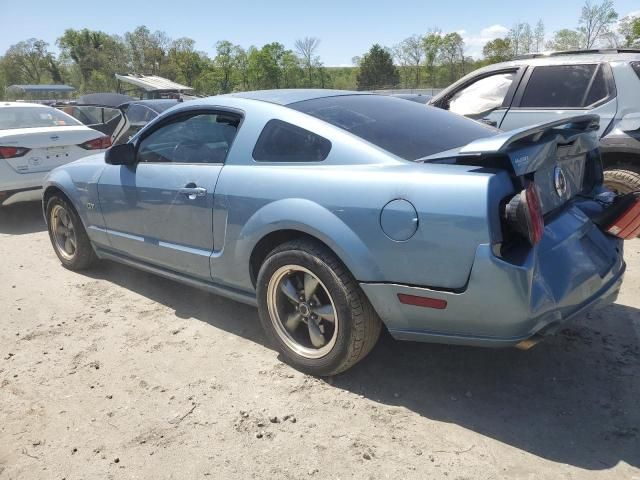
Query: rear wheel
[
  {"x": 313, "y": 310},
  {"x": 622, "y": 180},
  {"x": 68, "y": 236}
]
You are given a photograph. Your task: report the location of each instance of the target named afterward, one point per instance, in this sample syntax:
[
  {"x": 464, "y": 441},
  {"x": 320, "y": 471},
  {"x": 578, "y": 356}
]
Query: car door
[
  {"x": 485, "y": 97},
  {"x": 553, "y": 92},
  {"x": 103, "y": 119},
  {"x": 136, "y": 117},
  {"x": 160, "y": 209}
]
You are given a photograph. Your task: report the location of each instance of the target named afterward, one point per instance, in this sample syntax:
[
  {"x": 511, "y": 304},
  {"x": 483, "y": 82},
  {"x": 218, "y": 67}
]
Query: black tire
[
  {"x": 359, "y": 326},
  {"x": 83, "y": 256},
  {"x": 622, "y": 180}
]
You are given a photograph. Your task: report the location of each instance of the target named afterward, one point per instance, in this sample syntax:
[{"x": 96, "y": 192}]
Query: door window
[
  {"x": 202, "y": 138},
  {"x": 565, "y": 86},
  {"x": 482, "y": 96}
]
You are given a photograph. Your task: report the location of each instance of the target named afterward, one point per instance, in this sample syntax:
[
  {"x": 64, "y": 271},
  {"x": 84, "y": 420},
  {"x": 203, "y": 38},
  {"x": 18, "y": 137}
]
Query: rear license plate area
[{"x": 601, "y": 258}]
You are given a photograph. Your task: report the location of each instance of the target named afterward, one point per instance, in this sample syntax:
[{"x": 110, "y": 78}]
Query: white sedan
[{"x": 34, "y": 139}]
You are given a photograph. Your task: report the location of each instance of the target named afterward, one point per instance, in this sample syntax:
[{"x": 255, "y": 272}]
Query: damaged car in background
[
  {"x": 117, "y": 116},
  {"x": 547, "y": 86},
  {"x": 336, "y": 213}
]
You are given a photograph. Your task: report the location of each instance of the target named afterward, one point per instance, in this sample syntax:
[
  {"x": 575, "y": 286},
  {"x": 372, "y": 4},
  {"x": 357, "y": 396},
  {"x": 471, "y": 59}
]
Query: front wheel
[
  {"x": 68, "y": 236},
  {"x": 313, "y": 310}
]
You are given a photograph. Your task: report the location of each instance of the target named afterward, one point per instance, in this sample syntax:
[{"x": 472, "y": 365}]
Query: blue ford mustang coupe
[{"x": 336, "y": 212}]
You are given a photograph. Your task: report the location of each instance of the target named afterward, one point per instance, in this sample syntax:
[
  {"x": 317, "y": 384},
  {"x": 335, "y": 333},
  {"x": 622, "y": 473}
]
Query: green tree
[
  {"x": 184, "y": 62},
  {"x": 629, "y": 29},
  {"x": 414, "y": 52},
  {"x": 498, "y": 50},
  {"x": 596, "y": 21},
  {"x": 566, "y": 39},
  {"x": 242, "y": 64},
  {"x": 225, "y": 62},
  {"x": 452, "y": 54},
  {"x": 292, "y": 72},
  {"x": 377, "y": 70},
  {"x": 147, "y": 50},
  {"x": 92, "y": 51},
  {"x": 401, "y": 59},
  {"x": 431, "y": 44},
  {"x": 28, "y": 61}
]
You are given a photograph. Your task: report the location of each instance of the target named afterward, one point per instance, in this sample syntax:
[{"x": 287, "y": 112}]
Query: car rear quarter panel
[{"x": 341, "y": 206}]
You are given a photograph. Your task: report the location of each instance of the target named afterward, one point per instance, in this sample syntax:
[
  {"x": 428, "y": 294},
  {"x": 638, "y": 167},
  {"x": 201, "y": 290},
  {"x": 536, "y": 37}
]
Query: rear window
[
  {"x": 34, "y": 117},
  {"x": 406, "y": 129},
  {"x": 283, "y": 142},
  {"x": 565, "y": 86}
]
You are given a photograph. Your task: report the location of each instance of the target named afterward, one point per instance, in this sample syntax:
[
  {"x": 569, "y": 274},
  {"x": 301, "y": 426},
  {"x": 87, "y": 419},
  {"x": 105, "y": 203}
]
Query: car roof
[
  {"x": 22, "y": 104},
  {"x": 292, "y": 95},
  {"x": 567, "y": 58}
]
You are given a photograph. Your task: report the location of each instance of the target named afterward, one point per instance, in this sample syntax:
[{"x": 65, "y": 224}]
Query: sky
[{"x": 346, "y": 28}]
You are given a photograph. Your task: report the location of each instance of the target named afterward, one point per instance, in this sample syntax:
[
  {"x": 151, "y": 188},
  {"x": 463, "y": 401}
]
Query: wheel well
[
  {"x": 621, "y": 159},
  {"x": 268, "y": 243},
  {"x": 46, "y": 196}
]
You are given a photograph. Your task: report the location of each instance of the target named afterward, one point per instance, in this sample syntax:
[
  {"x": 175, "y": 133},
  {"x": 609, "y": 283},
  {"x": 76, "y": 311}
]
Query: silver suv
[{"x": 543, "y": 87}]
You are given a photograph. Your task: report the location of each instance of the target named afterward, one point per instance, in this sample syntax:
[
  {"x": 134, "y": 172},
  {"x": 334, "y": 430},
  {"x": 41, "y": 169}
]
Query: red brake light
[
  {"x": 534, "y": 219},
  {"x": 12, "y": 152},
  {"x": 524, "y": 214},
  {"x": 99, "y": 143}
]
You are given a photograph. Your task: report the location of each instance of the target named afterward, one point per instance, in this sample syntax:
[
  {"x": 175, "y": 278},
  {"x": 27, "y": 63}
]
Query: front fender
[
  {"x": 313, "y": 219},
  {"x": 78, "y": 182}
]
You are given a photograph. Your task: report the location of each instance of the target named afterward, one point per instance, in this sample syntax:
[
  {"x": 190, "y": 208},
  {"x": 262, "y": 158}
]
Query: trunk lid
[
  {"x": 48, "y": 147},
  {"x": 560, "y": 157}
]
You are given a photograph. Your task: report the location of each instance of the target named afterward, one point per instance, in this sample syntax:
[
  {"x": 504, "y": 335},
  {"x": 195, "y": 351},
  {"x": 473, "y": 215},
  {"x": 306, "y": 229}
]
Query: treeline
[
  {"x": 598, "y": 26},
  {"x": 88, "y": 59},
  {"x": 436, "y": 59}
]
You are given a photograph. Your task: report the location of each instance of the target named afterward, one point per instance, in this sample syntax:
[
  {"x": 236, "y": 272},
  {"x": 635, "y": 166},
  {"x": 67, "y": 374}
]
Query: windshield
[
  {"x": 406, "y": 129},
  {"x": 34, "y": 117}
]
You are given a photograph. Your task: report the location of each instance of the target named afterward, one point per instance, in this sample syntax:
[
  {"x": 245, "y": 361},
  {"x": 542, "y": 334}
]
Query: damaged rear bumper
[{"x": 574, "y": 268}]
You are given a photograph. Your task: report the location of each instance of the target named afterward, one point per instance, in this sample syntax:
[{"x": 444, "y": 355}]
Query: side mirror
[{"x": 123, "y": 154}]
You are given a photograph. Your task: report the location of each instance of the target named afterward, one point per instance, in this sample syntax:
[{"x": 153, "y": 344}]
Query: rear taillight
[
  {"x": 99, "y": 143},
  {"x": 12, "y": 152},
  {"x": 524, "y": 214}
]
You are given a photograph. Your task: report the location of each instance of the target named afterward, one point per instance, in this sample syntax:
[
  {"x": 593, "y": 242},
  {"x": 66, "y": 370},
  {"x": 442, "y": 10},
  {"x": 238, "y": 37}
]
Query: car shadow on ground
[
  {"x": 22, "y": 218},
  {"x": 572, "y": 399}
]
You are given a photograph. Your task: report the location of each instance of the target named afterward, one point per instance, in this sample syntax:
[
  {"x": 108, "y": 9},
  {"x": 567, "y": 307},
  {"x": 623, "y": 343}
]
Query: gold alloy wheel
[{"x": 302, "y": 311}]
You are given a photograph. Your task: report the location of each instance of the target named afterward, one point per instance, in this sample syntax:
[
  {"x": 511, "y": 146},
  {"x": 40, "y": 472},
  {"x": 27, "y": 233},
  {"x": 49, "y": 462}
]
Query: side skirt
[{"x": 231, "y": 293}]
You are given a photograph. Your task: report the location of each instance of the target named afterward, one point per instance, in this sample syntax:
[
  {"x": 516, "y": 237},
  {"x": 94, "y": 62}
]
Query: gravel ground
[{"x": 115, "y": 373}]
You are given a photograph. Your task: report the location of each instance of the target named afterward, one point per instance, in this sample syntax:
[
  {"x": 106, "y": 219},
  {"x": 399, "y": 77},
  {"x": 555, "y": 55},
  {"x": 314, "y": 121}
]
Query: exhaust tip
[{"x": 529, "y": 342}]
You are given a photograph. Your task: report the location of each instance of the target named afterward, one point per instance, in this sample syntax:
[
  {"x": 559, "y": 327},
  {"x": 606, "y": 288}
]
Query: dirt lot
[{"x": 120, "y": 374}]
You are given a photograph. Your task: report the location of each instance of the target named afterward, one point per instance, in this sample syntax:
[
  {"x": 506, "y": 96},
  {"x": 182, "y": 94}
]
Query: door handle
[{"x": 193, "y": 192}]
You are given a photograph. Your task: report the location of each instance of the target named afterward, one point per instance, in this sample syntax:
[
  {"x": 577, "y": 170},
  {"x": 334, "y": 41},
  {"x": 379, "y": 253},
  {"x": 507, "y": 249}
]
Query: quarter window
[
  {"x": 636, "y": 68},
  {"x": 482, "y": 96},
  {"x": 203, "y": 138},
  {"x": 283, "y": 142},
  {"x": 565, "y": 86}
]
